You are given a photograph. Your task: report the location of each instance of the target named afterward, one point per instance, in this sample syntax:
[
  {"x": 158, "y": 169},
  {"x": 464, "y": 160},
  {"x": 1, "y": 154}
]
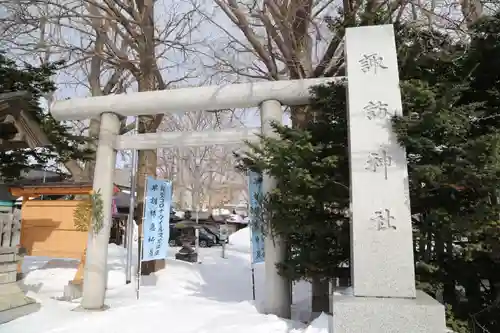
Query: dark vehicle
[
  {"x": 206, "y": 239},
  {"x": 218, "y": 240}
]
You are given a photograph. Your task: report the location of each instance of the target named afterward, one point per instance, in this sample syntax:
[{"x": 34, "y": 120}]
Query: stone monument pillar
[
  {"x": 384, "y": 297},
  {"x": 13, "y": 302}
]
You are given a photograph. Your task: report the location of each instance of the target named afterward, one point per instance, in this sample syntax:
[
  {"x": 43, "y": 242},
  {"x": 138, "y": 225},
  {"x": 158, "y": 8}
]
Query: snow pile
[
  {"x": 240, "y": 240},
  {"x": 319, "y": 325},
  {"x": 217, "y": 293}
]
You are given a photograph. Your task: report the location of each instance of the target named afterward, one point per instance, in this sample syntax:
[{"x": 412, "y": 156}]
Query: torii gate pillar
[
  {"x": 277, "y": 287},
  {"x": 94, "y": 285}
]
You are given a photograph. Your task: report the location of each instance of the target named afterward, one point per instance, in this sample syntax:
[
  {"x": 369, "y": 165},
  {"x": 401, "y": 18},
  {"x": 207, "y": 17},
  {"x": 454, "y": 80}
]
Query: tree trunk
[
  {"x": 147, "y": 167},
  {"x": 421, "y": 246},
  {"x": 495, "y": 288},
  {"x": 442, "y": 262},
  {"x": 320, "y": 301},
  {"x": 473, "y": 292},
  {"x": 429, "y": 237},
  {"x": 93, "y": 134},
  {"x": 300, "y": 116},
  {"x": 146, "y": 82},
  {"x": 449, "y": 291},
  {"x": 77, "y": 174}
]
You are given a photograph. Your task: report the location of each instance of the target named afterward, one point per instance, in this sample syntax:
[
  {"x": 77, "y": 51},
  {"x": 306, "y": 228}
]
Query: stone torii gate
[
  {"x": 269, "y": 96},
  {"x": 384, "y": 297}
]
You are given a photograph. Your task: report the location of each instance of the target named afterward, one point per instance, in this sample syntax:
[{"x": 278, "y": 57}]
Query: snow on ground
[
  {"x": 212, "y": 297},
  {"x": 301, "y": 307},
  {"x": 240, "y": 240}
]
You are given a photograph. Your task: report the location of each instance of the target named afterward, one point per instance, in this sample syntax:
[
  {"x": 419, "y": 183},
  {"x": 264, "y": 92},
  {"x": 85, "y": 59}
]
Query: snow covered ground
[{"x": 214, "y": 296}]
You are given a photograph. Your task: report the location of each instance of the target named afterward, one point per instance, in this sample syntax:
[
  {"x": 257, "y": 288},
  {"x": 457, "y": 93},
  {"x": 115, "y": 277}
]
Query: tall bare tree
[
  {"x": 110, "y": 46},
  {"x": 296, "y": 39}
]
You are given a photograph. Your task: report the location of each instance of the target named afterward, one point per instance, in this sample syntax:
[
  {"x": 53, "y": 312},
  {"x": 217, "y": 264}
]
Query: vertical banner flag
[
  {"x": 156, "y": 228},
  {"x": 114, "y": 208},
  {"x": 257, "y": 237}
]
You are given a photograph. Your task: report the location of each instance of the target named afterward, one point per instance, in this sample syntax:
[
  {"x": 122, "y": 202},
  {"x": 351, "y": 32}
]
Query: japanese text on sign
[
  {"x": 379, "y": 160},
  {"x": 383, "y": 219},
  {"x": 372, "y": 63},
  {"x": 377, "y": 110},
  {"x": 156, "y": 218}
]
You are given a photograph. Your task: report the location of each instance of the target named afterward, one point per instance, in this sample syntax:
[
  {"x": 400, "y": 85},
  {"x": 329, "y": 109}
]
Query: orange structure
[{"x": 47, "y": 226}]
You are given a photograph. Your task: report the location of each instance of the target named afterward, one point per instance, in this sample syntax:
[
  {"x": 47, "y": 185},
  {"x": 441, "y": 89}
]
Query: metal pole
[
  {"x": 253, "y": 282},
  {"x": 197, "y": 234},
  {"x": 139, "y": 269},
  {"x": 141, "y": 240},
  {"x": 224, "y": 239},
  {"x": 196, "y": 230},
  {"x": 131, "y": 210}
]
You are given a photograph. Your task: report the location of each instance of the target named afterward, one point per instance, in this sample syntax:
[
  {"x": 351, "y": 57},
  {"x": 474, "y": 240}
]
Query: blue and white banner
[
  {"x": 257, "y": 237},
  {"x": 156, "y": 228}
]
